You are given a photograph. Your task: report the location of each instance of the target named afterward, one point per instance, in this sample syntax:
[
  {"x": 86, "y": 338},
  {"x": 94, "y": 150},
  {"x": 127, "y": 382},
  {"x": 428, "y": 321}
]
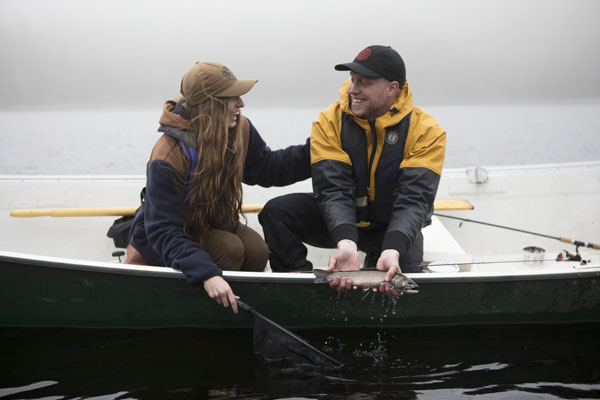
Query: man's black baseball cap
[{"x": 377, "y": 61}]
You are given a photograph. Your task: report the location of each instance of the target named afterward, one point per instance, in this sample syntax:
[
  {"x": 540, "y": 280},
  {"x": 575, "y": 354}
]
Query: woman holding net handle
[{"x": 190, "y": 219}]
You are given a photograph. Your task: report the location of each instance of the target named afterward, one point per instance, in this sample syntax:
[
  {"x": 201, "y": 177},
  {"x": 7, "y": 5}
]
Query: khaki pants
[{"x": 244, "y": 250}]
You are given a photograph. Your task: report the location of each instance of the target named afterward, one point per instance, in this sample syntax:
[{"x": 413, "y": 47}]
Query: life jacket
[{"x": 354, "y": 143}]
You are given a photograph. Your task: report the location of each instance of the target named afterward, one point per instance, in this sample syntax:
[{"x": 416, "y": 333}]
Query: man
[{"x": 376, "y": 162}]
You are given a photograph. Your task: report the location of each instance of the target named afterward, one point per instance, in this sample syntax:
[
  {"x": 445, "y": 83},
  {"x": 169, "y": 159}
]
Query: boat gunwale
[
  {"x": 571, "y": 270},
  {"x": 135, "y": 178}
]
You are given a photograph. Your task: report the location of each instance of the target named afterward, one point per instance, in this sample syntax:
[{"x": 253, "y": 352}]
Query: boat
[{"x": 494, "y": 264}]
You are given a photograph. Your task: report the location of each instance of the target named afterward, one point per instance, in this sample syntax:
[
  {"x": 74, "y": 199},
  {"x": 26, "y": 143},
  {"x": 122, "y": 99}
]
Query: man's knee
[
  {"x": 256, "y": 250},
  {"x": 272, "y": 210}
]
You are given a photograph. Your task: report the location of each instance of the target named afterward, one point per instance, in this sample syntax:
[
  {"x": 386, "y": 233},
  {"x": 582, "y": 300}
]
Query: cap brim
[
  {"x": 358, "y": 68},
  {"x": 239, "y": 88}
]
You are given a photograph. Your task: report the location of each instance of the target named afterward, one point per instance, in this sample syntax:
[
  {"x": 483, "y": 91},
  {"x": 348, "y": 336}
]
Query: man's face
[{"x": 371, "y": 97}]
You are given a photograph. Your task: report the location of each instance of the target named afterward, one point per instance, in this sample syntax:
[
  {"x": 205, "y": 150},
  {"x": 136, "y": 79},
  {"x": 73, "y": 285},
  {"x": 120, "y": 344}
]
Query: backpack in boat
[{"x": 121, "y": 228}]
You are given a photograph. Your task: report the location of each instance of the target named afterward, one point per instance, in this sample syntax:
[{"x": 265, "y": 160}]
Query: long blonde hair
[{"x": 214, "y": 199}]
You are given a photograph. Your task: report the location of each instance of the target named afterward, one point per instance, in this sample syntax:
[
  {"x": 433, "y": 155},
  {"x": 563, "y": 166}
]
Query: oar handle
[{"x": 580, "y": 243}]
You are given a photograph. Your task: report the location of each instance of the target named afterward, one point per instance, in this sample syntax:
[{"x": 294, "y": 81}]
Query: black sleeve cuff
[
  {"x": 345, "y": 231},
  {"x": 397, "y": 241}
]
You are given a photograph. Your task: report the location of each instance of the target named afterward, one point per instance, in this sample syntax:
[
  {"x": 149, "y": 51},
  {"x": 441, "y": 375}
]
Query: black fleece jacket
[{"x": 157, "y": 231}]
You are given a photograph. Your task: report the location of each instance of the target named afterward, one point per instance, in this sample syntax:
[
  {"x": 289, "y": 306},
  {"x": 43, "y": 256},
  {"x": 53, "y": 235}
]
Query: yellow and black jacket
[{"x": 384, "y": 173}]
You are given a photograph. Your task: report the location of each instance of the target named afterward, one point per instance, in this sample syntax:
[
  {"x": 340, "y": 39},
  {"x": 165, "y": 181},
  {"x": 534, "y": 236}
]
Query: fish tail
[{"x": 320, "y": 275}]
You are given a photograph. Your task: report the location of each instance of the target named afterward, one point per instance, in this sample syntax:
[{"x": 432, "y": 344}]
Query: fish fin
[
  {"x": 411, "y": 281},
  {"x": 320, "y": 275}
]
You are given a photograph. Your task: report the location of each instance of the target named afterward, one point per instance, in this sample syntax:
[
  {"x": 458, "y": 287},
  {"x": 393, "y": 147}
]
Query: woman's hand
[{"x": 219, "y": 290}]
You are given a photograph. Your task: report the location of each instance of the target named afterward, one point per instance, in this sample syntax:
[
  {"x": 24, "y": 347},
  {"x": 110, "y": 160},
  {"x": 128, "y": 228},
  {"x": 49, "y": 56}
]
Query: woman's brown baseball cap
[{"x": 209, "y": 79}]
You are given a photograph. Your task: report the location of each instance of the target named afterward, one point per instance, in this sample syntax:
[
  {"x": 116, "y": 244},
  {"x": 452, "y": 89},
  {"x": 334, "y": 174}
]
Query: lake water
[
  {"x": 451, "y": 363},
  {"x": 119, "y": 142}
]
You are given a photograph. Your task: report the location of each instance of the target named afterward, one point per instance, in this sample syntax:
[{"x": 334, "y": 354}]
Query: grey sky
[{"x": 115, "y": 53}]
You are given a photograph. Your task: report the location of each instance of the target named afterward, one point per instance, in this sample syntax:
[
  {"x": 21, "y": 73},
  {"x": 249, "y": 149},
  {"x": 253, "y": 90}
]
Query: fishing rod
[
  {"x": 536, "y": 261},
  {"x": 577, "y": 243}
]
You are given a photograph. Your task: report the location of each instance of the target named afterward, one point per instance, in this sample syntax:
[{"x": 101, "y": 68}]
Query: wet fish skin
[{"x": 367, "y": 279}]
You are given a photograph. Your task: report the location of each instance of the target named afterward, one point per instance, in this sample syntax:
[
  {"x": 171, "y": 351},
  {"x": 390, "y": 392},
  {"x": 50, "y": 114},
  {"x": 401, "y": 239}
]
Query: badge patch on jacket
[{"x": 391, "y": 137}]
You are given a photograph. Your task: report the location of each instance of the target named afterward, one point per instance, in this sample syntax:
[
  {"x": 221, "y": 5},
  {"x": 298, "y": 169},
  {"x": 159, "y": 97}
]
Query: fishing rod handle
[{"x": 579, "y": 243}]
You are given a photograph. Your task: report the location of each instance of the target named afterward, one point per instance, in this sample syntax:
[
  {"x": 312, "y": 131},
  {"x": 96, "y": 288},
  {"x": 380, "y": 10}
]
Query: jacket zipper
[{"x": 373, "y": 151}]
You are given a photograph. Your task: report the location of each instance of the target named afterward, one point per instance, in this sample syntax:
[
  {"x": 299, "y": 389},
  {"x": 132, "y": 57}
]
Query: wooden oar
[
  {"x": 74, "y": 212},
  {"x": 439, "y": 205}
]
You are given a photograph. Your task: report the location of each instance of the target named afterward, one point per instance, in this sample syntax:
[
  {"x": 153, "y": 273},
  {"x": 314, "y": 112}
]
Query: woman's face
[{"x": 233, "y": 108}]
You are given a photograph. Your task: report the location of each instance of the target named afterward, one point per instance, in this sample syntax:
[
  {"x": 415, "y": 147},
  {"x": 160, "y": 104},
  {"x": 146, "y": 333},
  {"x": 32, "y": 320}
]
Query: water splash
[
  {"x": 367, "y": 293},
  {"x": 376, "y": 352}
]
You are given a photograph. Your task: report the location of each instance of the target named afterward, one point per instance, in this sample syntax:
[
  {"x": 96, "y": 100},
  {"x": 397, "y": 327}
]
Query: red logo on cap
[{"x": 363, "y": 55}]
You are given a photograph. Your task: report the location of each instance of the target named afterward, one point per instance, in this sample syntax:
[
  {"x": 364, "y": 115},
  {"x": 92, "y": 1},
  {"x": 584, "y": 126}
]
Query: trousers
[
  {"x": 243, "y": 250},
  {"x": 291, "y": 220}
]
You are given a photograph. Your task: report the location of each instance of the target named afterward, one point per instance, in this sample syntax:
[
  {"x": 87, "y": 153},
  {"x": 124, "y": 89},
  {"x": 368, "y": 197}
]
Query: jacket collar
[{"x": 170, "y": 118}]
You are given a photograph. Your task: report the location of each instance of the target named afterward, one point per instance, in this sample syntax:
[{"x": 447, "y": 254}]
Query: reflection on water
[{"x": 432, "y": 363}]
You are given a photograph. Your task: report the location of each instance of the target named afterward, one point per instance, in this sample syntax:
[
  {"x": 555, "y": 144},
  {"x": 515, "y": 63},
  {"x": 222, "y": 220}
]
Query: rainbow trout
[{"x": 367, "y": 279}]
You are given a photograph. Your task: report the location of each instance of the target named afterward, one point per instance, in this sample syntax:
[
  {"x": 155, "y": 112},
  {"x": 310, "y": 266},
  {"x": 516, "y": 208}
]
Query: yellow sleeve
[
  {"x": 325, "y": 139},
  {"x": 426, "y": 143}
]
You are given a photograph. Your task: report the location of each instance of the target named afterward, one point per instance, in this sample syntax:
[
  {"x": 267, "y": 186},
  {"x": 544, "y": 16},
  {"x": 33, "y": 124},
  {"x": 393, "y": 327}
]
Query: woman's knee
[
  {"x": 256, "y": 251},
  {"x": 226, "y": 250},
  {"x": 256, "y": 257}
]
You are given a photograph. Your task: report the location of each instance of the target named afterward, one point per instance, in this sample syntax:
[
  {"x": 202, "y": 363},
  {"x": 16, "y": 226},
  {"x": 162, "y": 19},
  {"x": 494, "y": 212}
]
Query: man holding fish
[{"x": 376, "y": 162}]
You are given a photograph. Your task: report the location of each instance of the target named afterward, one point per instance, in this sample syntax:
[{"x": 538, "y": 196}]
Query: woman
[{"x": 193, "y": 198}]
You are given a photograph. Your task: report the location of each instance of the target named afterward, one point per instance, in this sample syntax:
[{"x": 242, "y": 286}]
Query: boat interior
[{"x": 516, "y": 222}]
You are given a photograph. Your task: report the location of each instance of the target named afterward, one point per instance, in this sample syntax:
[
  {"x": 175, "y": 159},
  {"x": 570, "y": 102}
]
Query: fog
[{"x": 121, "y": 53}]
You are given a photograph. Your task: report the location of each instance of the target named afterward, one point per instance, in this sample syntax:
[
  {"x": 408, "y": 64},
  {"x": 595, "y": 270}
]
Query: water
[
  {"x": 119, "y": 142},
  {"x": 449, "y": 363},
  {"x": 429, "y": 363}
]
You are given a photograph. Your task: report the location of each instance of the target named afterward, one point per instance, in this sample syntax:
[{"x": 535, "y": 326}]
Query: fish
[{"x": 367, "y": 279}]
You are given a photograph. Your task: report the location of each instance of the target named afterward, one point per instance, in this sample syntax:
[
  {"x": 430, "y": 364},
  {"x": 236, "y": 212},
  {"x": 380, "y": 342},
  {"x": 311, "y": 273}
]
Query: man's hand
[
  {"x": 345, "y": 258},
  {"x": 388, "y": 261},
  {"x": 219, "y": 290}
]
